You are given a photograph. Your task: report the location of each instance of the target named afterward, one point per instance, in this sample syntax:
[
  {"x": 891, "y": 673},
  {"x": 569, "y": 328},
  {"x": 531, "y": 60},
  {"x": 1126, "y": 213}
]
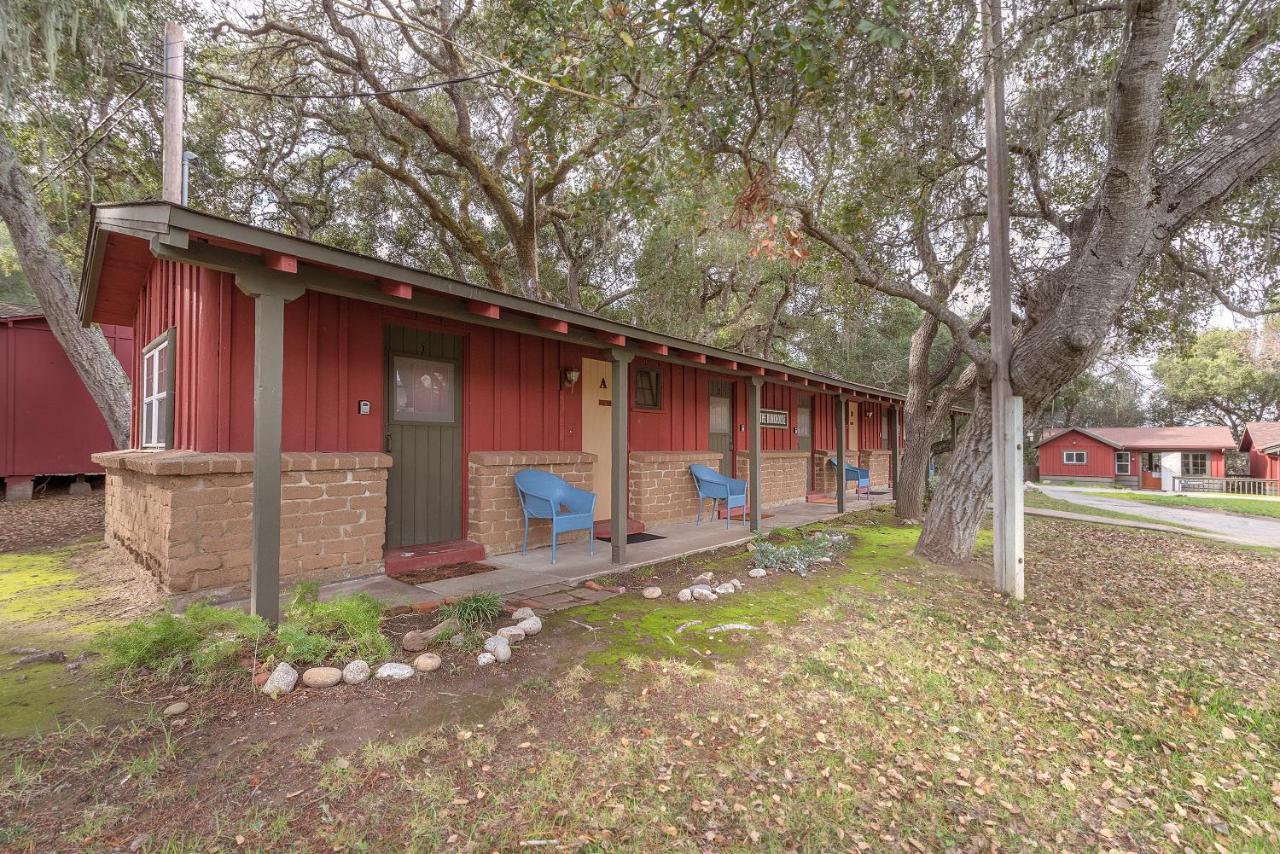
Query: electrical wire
[
  {"x": 75, "y": 151},
  {"x": 300, "y": 96}
]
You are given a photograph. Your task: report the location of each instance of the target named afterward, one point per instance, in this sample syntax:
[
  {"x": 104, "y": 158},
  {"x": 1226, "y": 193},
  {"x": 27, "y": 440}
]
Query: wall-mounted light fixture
[{"x": 569, "y": 378}]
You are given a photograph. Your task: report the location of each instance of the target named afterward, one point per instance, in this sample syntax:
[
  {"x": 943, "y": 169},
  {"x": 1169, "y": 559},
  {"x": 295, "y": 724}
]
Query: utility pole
[
  {"x": 171, "y": 165},
  {"x": 1006, "y": 409}
]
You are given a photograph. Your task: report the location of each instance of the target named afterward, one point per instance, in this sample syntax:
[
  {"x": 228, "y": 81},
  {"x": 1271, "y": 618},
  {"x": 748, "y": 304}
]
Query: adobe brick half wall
[
  {"x": 186, "y": 517},
  {"x": 784, "y": 476},
  {"x": 877, "y": 465},
  {"x": 660, "y": 488},
  {"x": 494, "y": 517}
]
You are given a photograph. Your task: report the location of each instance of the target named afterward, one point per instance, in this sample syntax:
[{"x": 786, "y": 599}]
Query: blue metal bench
[
  {"x": 543, "y": 495},
  {"x": 860, "y": 478},
  {"x": 715, "y": 487}
]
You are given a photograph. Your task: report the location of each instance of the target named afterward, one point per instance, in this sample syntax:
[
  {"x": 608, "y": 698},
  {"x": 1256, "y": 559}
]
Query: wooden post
[
  {"x": 842, "y": 424},
  {"x": 621, "y": 406},
  {"x": 171, "y": 150},
  {"x": 753, "y": 445},
  {"x": 268, "y": 394},
  {"x": 893, "y": 449},
  {"x": 1006, "y": 410}
]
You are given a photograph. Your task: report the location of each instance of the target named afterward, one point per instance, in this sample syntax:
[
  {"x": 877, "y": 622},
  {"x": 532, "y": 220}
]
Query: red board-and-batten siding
[
  {"x": 334, "y": 358},
  {"x": 50, "y": 424},
  {"x": 1266, "y": 466},
  {"x": 1101, "y": 461}
]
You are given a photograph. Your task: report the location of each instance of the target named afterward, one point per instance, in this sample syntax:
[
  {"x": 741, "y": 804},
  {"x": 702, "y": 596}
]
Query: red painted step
[
  {"x": 604, "y": 527},
  {"x": 405, "y": 559}
]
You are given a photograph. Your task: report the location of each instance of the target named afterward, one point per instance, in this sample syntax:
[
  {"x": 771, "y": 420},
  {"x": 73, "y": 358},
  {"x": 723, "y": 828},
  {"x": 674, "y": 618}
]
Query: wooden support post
[
  {"x": 171, "y": 143},
  {"x": 842, "y": 419},
  {"x": 893, "y": 449},
  {"x": 753, "y": 444},
  {"x": 1006, "y": 410},
  {"x": 268, "y": 395},
  {"x": 618, "y": 413}
]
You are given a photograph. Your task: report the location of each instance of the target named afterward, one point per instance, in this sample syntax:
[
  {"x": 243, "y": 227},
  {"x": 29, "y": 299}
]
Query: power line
[
  {"x": 58, "y": 167},
  {"x": 242, "y": 89}
]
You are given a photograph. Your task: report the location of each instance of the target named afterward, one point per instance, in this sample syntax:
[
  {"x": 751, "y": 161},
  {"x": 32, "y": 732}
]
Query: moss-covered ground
[{"x": 882, "y": 704}]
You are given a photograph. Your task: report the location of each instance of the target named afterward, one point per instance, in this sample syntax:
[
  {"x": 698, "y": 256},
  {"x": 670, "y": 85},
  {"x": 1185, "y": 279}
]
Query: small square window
[
  {"x": 648, "y": 388},
  {"x": 1195, "y": 465},
  {"x": 1123, "y": 462},
  {"x": 423, "y": 390}
]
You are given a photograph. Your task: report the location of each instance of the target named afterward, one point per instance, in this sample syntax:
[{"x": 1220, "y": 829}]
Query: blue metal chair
[
  {"x": 715, "y": 487},
  {"x": 861, "y": 478},
  {"x": 543, "y": 495}
]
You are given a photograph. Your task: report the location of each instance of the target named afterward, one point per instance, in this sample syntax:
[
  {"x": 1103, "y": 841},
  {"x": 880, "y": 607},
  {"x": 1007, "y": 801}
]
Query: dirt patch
[{"x": 50, "y": 520}]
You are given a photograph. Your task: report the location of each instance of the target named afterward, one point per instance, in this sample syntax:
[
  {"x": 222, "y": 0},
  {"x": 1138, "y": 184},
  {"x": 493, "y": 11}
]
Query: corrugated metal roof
[{"x": 13, "y": 309}]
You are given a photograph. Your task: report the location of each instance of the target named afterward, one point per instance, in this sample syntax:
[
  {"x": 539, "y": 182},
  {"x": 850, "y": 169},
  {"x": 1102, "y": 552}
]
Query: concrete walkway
[
  {"x": 1228, "y": 527},
  {"x": 555, "y": 586}
]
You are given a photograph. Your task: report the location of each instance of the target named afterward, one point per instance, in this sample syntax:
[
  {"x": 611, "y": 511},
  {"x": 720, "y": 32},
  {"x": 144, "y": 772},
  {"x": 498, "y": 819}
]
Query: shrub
[
  {"x": 474, "y": 611},
  {"x": 796, "y": 555},
  {"x": 205, "y": 638},
  {"x": 346, "y": 627}
]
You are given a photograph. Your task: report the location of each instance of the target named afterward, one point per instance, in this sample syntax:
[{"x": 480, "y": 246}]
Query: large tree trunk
[
  {"x": 957, "y": 507},
  {"x": 87, "y": 348},
  {"x": 913, "y": 469}
]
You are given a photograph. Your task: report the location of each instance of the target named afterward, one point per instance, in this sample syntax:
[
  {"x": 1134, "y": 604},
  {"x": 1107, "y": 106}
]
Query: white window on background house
[
  {"x": 1123, "y": 462},
  {"x": 157, "y": 392},
  {"x": 1075, "y": 458},
  {"x": 1195, "y": 465}
]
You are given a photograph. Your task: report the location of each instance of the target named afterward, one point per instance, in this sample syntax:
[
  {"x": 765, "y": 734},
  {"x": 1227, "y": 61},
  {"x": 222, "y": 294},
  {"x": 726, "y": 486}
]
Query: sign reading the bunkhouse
[{"x": 778, "y": 418}]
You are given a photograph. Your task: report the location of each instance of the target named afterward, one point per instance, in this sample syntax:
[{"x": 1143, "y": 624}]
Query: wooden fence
[{"x": 1228, "y": 485}]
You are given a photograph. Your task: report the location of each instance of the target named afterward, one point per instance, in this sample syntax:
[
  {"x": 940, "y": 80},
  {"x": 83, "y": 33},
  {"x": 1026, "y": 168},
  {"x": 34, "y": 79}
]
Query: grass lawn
[
  {"x": 1241, "y": 506},
  {"x": 1132, "y": 703},
  {"x": 1036, "y": 498}
]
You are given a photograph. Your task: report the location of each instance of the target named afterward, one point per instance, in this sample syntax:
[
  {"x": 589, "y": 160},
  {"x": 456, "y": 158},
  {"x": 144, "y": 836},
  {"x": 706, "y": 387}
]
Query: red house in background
[
  {"x": 1135, "y": 457},
  {"x": 1261, "y": 441},
  {"x": 389, "y": 408},
  {"x": 49, "y": 425}
]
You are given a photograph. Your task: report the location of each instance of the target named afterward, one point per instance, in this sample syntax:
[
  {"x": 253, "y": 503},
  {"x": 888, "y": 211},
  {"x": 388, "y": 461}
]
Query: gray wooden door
[
  {"x": 804, "y": 435},
  {"x": 721, "y": 423},
  {"x": 424, "y": 436}
]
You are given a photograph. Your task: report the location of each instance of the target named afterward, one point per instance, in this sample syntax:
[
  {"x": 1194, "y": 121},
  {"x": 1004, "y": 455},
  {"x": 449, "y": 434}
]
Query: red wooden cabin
[
  {"x": 1261, "y": 441},
  {"x": 50, "y": 425},
  {"x": 406, "y": 401},
  {"x": 1136, "y": 457}
]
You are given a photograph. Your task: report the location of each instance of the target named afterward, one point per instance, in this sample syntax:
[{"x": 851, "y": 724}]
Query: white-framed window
[
  {"x": 1075, "y": 458},
  {"x": 157, "y": 392},
  {"x": 1123, "y": 462},
  {"x": 1195, "y": 465}
]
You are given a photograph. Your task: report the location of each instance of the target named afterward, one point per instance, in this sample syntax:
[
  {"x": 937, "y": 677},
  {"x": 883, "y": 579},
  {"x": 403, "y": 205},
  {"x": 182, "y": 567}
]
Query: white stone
[
  {"x": 737, "y": 585},
  {"x": 484, "y": 659},
  {"x": 757, "y": 572},
  {"x": 685, "y": 595},
  {"x": 513, "y": 634},
  {"x": 426, "y": 662},
  {"x": 321, "y": 677},
  {"x": 522, "y": 614},
  {"x": 697, "y": 587},
  {"x": 175, "y": 709},
  {"x": 492, "y": 644},
  {"x": 281, "y": 680},
  {"x": 394, "y": 670},
  {"x": 530, "y": 625},
  {"x": 705, "y": 578},
  {"x": 725, "y": 589},
  {"x": 731, "y": 627},
  {"x": 702, "y": 594},
  {"x": 502, "y": 653},
  {"x": 651, "y": 592},
  {"x": 356, "y": 672}
]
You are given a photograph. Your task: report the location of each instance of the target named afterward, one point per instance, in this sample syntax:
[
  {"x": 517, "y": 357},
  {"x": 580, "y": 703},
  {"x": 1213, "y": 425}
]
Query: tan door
[{"x": 597, "y": 429}]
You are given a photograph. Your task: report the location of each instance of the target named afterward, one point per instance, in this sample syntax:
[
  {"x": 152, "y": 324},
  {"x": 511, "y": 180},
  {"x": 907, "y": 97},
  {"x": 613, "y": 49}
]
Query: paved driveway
[{"x": 1246, "y": 529}]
